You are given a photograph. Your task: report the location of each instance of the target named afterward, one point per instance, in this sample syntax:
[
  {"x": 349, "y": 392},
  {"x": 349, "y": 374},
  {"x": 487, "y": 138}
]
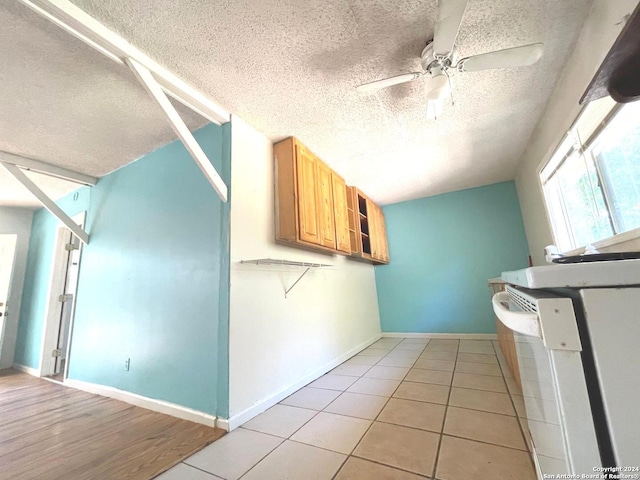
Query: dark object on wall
[
  {"x": 619, "y": 74},
  {"x": 598, "y": 257}
]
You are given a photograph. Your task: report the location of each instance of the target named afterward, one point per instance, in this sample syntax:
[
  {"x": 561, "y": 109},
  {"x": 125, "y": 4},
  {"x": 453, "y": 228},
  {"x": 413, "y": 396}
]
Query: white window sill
[{"x": 608, "y": 242}]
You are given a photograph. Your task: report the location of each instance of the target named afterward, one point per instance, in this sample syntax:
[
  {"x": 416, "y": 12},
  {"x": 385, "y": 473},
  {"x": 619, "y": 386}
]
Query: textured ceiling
[
  {"x": 289, "y": 68},
  {"x": 14, "y": 194},
  {"x": 66, "y": 104}
]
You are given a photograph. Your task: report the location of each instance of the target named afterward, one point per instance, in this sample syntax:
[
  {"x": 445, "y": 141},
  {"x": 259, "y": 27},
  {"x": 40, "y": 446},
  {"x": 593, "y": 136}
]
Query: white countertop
[{"x": 577, "y": 275}]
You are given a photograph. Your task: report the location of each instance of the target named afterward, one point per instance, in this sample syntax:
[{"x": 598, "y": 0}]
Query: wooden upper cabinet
[
  {"x": 369, "y": 238},
  {"x": 341, "y": 213},
  {"x": 325, "y": 206},
  {"x": 310, "y": 229},
  {"x": 306, "y": 209},
  {"x": 316, "y": 210}
]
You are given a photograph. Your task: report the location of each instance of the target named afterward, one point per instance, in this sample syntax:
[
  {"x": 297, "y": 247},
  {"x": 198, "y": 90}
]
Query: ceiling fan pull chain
[{"x": 450, "y": 89}]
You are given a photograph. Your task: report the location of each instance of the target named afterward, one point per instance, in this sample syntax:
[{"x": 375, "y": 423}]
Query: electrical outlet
[{"x": 127, "y": 364}]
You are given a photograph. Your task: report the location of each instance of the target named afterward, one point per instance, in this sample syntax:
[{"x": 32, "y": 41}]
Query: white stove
[
  {"x": 577, "y": 275},
  {"x": 577, "y": 331}
]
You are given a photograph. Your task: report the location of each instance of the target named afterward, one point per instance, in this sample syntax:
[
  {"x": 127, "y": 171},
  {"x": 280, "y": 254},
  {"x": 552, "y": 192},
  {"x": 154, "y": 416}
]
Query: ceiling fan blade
[
  {"x": 510, "y": 57},
  {"x": 387, "y": 82},
  {"x": 450, "y": 13}
]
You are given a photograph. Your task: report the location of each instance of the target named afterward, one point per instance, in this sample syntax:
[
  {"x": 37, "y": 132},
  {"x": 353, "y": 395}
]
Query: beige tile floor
[{"x": 402, "y": 409}]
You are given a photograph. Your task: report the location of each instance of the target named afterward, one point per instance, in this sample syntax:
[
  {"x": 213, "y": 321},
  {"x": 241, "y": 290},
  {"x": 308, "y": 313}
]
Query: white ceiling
[
  {"x": 66, "y": 104},
  {"x": 289, "y": 68}
]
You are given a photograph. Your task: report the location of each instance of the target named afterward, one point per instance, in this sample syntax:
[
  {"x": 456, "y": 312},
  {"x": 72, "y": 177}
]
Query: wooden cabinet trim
[
  {"x": 341, "y": 213},
  {"x": 325, "y": 205},
  {"x": 307, "y": 188}
]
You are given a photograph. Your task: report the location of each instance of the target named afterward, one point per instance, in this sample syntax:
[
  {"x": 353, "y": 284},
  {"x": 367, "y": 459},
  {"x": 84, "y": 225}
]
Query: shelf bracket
[
  {"x": 146, "y": 78},
  {"x": 288, "y": 263},
  {"x": 296, "y": 282},
  {"x": 46, "y": 202}
]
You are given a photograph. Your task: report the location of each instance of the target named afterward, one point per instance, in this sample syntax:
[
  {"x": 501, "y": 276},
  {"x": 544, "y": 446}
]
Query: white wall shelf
[{"x": 288, "y": 263}]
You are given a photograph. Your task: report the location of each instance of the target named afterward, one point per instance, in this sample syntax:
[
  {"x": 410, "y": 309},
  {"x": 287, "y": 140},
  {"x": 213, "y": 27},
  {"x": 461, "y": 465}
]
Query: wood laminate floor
[{"x": 49, "y": 431}]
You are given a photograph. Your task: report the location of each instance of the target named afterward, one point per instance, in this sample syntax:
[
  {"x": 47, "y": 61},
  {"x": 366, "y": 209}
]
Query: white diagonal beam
[
  {"x": 46, "y": 202},
  {"x": 83, "y": 26},
  {"x": 178, "y": 125},
  {"x": 47, "y": 169}
]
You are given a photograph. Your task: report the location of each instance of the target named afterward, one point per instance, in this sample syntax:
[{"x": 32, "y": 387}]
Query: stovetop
[{"x": 577, "y": 275}]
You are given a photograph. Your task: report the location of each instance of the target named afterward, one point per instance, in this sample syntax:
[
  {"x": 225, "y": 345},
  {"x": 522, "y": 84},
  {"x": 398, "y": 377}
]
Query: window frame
[{"x": 583, "y": 149}]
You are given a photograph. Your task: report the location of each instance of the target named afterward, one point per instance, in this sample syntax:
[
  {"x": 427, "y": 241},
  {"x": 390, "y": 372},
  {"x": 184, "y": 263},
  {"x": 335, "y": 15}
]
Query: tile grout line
[
  {"x": 389, "y": 466},
  {"x": 524, "y": 437},
  {"x": 484, "y": 442},
  {"x": 381, "y": 410},
  {"x": 372, "y": 421},
  {"x": 444, "y": 420},
  {"x": 261, "y": 459},
  {"x": 197, "y": 468}
]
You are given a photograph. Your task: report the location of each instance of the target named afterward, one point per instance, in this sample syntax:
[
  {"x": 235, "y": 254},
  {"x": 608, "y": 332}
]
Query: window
[{"x": 592, "y": 181}]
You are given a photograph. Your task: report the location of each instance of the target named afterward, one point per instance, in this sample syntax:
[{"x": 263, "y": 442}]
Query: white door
[{"x": 7, "y": 252}]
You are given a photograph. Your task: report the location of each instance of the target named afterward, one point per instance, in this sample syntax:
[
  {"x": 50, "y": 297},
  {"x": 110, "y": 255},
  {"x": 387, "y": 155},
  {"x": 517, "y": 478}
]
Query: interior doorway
[
  {"x": 7, "y": 255},
  {"x": 62, "y": 299}
]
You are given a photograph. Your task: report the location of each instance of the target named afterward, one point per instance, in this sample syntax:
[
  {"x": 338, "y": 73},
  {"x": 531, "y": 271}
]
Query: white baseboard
[
  {"x": 159, "y": 406},
  {"x": 453, "y": 336},
  {"x": 223, "y": 423},
  {"x": 23, "y": 368},
  {"x": 247, "y": 414}
]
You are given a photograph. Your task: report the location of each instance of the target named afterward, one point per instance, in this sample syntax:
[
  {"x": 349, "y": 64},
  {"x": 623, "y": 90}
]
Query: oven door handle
[{"x": 526, "y": 323}]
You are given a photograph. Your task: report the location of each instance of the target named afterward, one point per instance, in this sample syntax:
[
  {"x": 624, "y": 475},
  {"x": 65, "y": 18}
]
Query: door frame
[{"x": 53, "y": 312}]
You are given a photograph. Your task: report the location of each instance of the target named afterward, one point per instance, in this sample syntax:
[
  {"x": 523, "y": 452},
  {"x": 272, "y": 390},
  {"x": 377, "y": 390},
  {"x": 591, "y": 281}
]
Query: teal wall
[
  {"x": 154, "y": 280},
  {"x": 443, "y": 249},
  {"x": 38, "y": 275}
]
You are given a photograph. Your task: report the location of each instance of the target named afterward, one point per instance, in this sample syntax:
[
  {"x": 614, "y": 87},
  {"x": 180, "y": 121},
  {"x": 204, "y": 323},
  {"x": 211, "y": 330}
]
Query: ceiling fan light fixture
[{"x": 439, "y": 87}]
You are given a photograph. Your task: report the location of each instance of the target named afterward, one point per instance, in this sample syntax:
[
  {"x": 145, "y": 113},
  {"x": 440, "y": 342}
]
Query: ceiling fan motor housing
[{"x": 428, "y": 59}]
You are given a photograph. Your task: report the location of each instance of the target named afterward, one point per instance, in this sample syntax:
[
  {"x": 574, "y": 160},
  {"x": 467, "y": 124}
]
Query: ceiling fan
[{"x": 439, "y": 55}]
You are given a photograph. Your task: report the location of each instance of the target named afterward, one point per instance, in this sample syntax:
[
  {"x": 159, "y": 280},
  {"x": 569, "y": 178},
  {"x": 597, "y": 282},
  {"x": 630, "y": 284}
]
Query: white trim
[
  {"x": 247, "y": 414},
  {"x": 83, "y": 26},
  {"x": 452, "y": 336},
  {"x": 83, "y": 218},
  {"x": 609, "y": 241},
  {"x": 28, "y": 370},
  {"x": 47, "y": 169},
  {"x": 54, "y": 306},
  {"x": 149, "y": 83},
  {"x": 223, "y": 423},
  {"x": 159, "y": 406},
  {"x": 51, "y": 327},
  {"x": 46, "y": 202}
]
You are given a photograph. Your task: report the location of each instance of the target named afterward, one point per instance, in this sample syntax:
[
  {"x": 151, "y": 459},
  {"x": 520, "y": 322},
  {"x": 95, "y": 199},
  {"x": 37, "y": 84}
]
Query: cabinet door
[
  {"x": 354, "y": 221},
  {"x": 382, "y": 237},
  {"x": 307, "y": 182},
  {"x": 325, "y": 206},
  {"x": 341, "y": 213},
  {"x": 372, "y": 218}
]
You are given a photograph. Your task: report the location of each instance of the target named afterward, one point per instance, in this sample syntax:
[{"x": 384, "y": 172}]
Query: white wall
[
  {"x": 598, "y": 34},
  {"x": 15, "y": 221},
  {"x": 277, "y": 345}
]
